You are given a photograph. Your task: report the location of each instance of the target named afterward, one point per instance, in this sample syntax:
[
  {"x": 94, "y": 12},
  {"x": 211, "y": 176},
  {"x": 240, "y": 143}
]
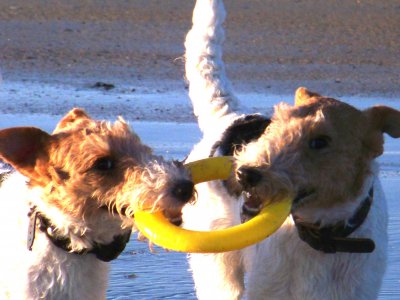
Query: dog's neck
[
  {"x": 104, "y": 252},
  {"x": 334, "y": 238},
  {"x": 328, "y": 216}
]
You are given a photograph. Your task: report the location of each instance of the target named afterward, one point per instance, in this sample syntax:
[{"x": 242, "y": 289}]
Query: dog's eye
[
  {"x": 104, "y": 164},
  {"x": 318, "y": 143}
]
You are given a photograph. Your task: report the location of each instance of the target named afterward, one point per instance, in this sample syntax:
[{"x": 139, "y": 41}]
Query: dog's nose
[
  {"x": 183, "y": 190},
  {"x": 248, "y": 177},
  {"x": 177, "y": 222}
]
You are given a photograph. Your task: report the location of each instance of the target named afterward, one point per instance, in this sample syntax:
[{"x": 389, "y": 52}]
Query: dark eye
[
  {"x": 319, "y": 143},
  {"x": 104, "y": 164}
]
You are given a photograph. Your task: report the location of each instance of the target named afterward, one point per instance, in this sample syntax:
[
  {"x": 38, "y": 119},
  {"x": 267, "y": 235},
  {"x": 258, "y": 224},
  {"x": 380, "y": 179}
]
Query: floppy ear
[
  {"x": 73, "y": 116},
  {"x": 381, "y": 119},
  {"x": 385, "y": 119},
  {"x": 25, "y": 148},
  {"x": 304, "y": 96}
]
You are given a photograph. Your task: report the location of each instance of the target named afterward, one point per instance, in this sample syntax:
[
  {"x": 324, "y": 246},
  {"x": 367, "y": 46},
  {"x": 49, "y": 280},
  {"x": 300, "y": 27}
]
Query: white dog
[
  {"x": 68, "y": 208},
  {"x": 321, "y": 152}
]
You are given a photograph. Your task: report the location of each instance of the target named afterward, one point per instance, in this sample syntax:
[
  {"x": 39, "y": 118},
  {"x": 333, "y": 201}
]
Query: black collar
[
  {"x": 331, "y": 239},
  {"x": 104, "y": 252}
]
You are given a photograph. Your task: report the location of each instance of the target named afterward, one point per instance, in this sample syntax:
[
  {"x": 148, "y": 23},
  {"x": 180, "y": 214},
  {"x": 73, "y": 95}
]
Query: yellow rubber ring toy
[{"x": 161, "y": 232}]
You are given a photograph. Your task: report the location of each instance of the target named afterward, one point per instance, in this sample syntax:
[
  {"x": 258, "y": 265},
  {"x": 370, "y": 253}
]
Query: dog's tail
[{"x": 209, "y": 89}]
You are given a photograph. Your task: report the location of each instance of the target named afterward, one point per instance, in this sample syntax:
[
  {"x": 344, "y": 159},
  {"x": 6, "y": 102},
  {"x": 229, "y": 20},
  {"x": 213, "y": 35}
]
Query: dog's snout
[
  {"x": 183, "y": 190},
  {"x": 248, "y": 177}
]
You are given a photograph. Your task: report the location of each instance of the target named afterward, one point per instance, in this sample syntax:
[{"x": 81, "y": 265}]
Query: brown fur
[{"x": 71, "y": 167}]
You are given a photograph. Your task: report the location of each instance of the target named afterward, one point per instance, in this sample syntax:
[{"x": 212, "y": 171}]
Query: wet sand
[{"x": 337, "y": 47}]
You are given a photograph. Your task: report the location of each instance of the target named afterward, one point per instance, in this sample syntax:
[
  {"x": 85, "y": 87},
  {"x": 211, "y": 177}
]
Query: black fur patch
[{"x": 241, "y": 132}]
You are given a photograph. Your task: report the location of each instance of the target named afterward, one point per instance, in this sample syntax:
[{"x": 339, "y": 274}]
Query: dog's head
[
  {"x": 319, "y": 152},
  {"x": 95, "y": 173}
]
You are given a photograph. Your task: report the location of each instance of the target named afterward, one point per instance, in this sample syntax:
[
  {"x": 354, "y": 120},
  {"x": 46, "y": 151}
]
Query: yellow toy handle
[
  {"x": 161, "y": 232},
  {"x": 212, "y": 168}
]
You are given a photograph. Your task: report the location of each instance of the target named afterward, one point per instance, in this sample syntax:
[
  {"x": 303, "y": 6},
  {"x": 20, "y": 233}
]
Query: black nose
[
  {"x": 248, "y": 177},
  {"x": 177, "y": 222},
  {"x": 183, "y": 190}
]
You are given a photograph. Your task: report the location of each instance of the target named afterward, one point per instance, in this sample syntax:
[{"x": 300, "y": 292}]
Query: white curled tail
[{"x": 209, "y": 89}]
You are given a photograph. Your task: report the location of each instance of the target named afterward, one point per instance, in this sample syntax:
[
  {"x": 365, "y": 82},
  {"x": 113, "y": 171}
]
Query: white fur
[
  {"x": 46, "y": 272},
  {"x": 218, "y": 276},
  {"x": 282, "y": 266}
]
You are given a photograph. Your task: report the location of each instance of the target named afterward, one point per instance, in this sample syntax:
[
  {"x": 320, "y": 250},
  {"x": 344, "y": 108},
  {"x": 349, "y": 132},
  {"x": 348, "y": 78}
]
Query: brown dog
[{"x": 74, "y": 193}]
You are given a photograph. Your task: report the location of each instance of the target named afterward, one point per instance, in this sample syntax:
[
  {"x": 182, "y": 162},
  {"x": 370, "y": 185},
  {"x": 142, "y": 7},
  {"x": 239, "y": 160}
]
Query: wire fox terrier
[
  {"x": 321, "y": 152},
  {"x": 69, "y": 208}
]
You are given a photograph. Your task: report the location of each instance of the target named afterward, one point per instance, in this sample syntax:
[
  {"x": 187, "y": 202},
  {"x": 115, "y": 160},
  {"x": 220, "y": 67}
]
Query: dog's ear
[
  {"x": 381, "y": 119},
  {"x": 25, "y": 148},
  {"x": 74, "y": 116},
  {"x": 304, "y": 96},
  {"x": 385, "y": 119}
]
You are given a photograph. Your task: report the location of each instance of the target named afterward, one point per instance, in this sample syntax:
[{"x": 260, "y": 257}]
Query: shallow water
[{"x": 139, "y": 274}]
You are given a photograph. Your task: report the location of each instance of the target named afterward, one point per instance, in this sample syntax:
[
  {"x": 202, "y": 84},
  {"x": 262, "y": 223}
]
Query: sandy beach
[{"x": 338, "y": 47}]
